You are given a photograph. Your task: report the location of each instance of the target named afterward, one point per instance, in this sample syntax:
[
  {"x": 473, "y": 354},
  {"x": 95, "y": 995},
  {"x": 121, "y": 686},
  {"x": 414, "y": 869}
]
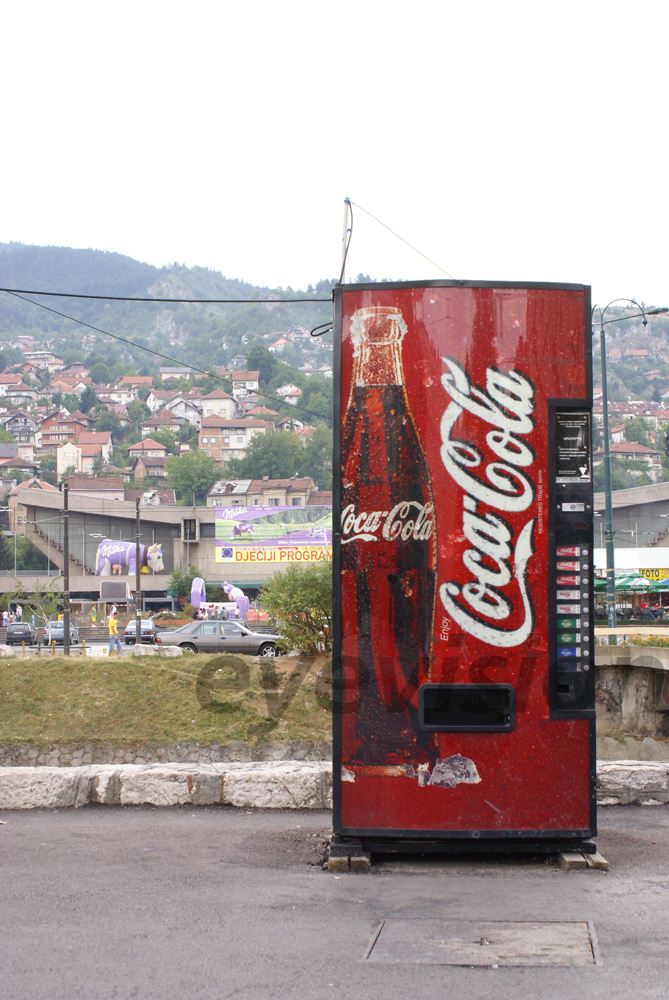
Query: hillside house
[
  {"x": 244, "y": 383},
  {"x": 224, "y": 439},
  {"x": 184, "y": 409},
  {"x": 633, "y": 452},
  {"x": 170, "y": 373},
  {"x": 159, "y": 420},
  {"x": 149, "y": 448},
  {"x": 219, "y": 404},
  {"x": 145, "y": 466},
  {"x": 266, "y": 492},
  {"x": 45, "y": 359},
  {"x": 58, "y": 428}
]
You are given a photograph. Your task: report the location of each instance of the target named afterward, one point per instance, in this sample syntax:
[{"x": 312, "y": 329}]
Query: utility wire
[
  {"x": 127, "y": 298},
  {"x": 158, "y": 354},
  {"x": 415, "y": 249}
]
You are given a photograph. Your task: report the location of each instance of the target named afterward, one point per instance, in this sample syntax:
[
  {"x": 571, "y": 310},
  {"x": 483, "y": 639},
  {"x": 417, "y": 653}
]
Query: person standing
[
  {"x": 114, "y": 641},
  {"x": 19, "y": 613}
]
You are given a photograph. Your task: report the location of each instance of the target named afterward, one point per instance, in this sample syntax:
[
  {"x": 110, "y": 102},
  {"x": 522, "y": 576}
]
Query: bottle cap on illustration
[{"x": 378, "y": 325}]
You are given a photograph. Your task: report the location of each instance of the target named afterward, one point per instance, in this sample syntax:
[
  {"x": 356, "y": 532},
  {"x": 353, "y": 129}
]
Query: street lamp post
[
  {"x": 138, "y": 584},
  {"x": 608, "y": 491}
]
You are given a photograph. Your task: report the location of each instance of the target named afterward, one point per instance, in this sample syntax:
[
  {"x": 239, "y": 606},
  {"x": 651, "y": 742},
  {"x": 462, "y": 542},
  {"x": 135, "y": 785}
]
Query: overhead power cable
[
  {"x": 410, "y": 245},
  {"x": 129, "y": 298},
  {"x": 158, "y": 354}
]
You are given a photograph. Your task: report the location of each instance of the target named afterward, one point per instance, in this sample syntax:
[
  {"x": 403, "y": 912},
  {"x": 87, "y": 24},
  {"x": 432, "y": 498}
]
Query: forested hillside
[{"x": 203, "y": 335}]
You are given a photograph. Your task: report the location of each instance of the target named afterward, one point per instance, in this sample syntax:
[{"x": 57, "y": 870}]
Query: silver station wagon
[{"x": 220, "y": 637}]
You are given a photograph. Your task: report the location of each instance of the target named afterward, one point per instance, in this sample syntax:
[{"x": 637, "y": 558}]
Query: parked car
[
  {"x": 55, "y": 632},
  {"x": 148, "y": 631},
  {"x": 19, "y": 632},
  {"x": 220, "y": 637}
]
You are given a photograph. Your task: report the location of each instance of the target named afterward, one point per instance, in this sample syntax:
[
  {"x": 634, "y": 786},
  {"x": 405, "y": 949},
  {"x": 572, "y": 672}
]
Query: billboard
[
  {"x": 273, "y": 534},
  {"x": 116, "y": 558},
  {"x": 463, "y": 560}
]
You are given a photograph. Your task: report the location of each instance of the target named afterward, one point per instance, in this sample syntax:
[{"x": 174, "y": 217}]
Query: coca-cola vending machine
[{"x": 464, "y": 659}]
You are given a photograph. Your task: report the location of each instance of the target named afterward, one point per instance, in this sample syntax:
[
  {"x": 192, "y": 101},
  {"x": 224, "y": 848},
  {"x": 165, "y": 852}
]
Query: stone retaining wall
[{"x": 62, "y": 755}]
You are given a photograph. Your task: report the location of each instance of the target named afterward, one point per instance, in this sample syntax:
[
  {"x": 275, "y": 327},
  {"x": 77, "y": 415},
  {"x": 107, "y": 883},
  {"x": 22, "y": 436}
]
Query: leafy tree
[
  {"x": 6, "y": 553},
  {"x": 319, "y": 403},
  {"x": 180, "y": 583},
  {"x": 638, "y": 430},
  {"x": 317, "y": 458},
  {"x": 88, "y": 399},
  {"x": 300, "y": 601},
  {"x": 191, "y": 475},
  {"x": 5, "y": 436},
  {"x": 164, "y": 435},
  {"x": 108, "y": 421},
  {"x": 263, "y": 361},
  {"x": 624, "y": 475},
  {"x": 188, "y": 433},
  {"x": 49, "y": 473},
  {"x": 277, "y": 455},
  {"x": 10, "y": 356},
  {"x": 71, "y": 402},
  {"x": 100, "y": 374},
  {"x": 138, "y": 412}
]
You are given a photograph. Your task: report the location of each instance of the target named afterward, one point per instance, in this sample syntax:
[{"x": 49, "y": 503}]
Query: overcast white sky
[{"x": 516, "y": 140}]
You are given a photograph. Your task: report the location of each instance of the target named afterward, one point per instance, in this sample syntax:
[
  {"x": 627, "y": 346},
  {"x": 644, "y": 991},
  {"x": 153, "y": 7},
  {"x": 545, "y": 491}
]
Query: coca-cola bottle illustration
[{"x": 388, "y": 551}]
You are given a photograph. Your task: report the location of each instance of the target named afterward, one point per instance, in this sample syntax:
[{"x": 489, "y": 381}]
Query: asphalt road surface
[{"x": 214, "y": 903}]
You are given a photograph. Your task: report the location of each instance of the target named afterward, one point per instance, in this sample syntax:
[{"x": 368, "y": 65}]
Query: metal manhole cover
[{"x": 484, "y": 942}]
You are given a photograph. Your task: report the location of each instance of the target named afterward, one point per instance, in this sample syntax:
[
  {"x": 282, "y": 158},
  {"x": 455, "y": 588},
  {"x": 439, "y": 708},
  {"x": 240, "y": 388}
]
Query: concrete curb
[{"x": 262, "y": 784}]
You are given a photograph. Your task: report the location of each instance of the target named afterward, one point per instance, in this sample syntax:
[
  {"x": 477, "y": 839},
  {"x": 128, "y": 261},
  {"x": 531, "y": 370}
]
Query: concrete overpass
[{"x": 186, "y": 535}]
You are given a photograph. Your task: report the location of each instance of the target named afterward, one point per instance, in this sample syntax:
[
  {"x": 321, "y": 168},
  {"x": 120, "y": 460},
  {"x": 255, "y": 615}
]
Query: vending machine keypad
[{"x": 570, "y": 561}]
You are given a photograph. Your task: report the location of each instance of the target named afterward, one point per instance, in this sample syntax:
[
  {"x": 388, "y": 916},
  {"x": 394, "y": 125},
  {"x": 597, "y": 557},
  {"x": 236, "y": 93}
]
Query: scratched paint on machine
[{"x": 444, "y": 552}]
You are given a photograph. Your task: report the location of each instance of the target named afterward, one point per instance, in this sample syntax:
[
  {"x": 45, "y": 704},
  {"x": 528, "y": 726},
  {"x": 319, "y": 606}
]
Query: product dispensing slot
[
  {"x": 571, "y": 563},
  {"x": 462, "y": 708}
]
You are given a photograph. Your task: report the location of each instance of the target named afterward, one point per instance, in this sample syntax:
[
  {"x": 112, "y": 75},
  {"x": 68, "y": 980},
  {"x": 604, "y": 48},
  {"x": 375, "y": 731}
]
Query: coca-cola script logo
[
  {"x": 506, "y": 403},
  {"x": 407, "y": 519}
]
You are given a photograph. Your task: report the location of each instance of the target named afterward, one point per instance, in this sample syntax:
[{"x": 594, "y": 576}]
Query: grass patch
[{"x": 133, "y": 702}]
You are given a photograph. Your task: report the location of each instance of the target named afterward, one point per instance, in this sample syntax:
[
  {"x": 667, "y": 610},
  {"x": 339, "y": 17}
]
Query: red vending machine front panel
[{"x": 464, "y": 661}]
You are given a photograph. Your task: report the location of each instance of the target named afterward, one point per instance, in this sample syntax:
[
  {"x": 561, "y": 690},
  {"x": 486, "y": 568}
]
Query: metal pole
[
  {"x": 138, "y": 584},
  {"x": 344, "y": 240},
  {"x": 66, "y": 572},
  {"x": 608, "y": 490}
]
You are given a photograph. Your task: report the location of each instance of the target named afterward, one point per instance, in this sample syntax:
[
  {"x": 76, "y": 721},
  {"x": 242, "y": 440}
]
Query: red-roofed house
[
  {"x": 244, "y": 383},
  {"x": 219, "y": 404},
  {"x": 223, "y": 439}
]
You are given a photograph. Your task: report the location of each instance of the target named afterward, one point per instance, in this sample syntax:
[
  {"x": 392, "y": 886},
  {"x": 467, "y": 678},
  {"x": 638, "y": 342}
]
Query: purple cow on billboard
[{"x": 114, "y": 557}]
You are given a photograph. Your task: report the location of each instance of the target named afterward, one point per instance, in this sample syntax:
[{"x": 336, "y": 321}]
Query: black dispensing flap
[{"x": 467, "y": 707}]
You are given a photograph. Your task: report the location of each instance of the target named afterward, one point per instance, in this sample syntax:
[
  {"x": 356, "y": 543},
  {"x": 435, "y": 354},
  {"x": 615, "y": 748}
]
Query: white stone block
[
  {"x": 6, "y": 651},
  {"x": 631, "y": 781},
  {"x": 143, "y": 650},
  {"x": 169, "y": 651},
  {"x": 41, "y": 787},
  {"x": 280, "y": 785},
  {"x": 169, "y": 784}
]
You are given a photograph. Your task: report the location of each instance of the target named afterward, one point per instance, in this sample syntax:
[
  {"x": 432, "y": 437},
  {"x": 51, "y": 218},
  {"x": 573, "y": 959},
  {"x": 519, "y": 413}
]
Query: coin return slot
[{"x": 467, "y": 707}]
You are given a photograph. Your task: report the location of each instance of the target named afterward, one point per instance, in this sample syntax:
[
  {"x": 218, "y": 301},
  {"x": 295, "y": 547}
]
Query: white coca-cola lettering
[
  {"x": 507, "y": 403},
  {"x": 396, "y": 523}
]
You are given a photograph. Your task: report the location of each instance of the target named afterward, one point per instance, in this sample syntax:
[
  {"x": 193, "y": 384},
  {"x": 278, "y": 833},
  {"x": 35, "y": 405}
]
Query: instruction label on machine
[{"x": 572, "y": 447}]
